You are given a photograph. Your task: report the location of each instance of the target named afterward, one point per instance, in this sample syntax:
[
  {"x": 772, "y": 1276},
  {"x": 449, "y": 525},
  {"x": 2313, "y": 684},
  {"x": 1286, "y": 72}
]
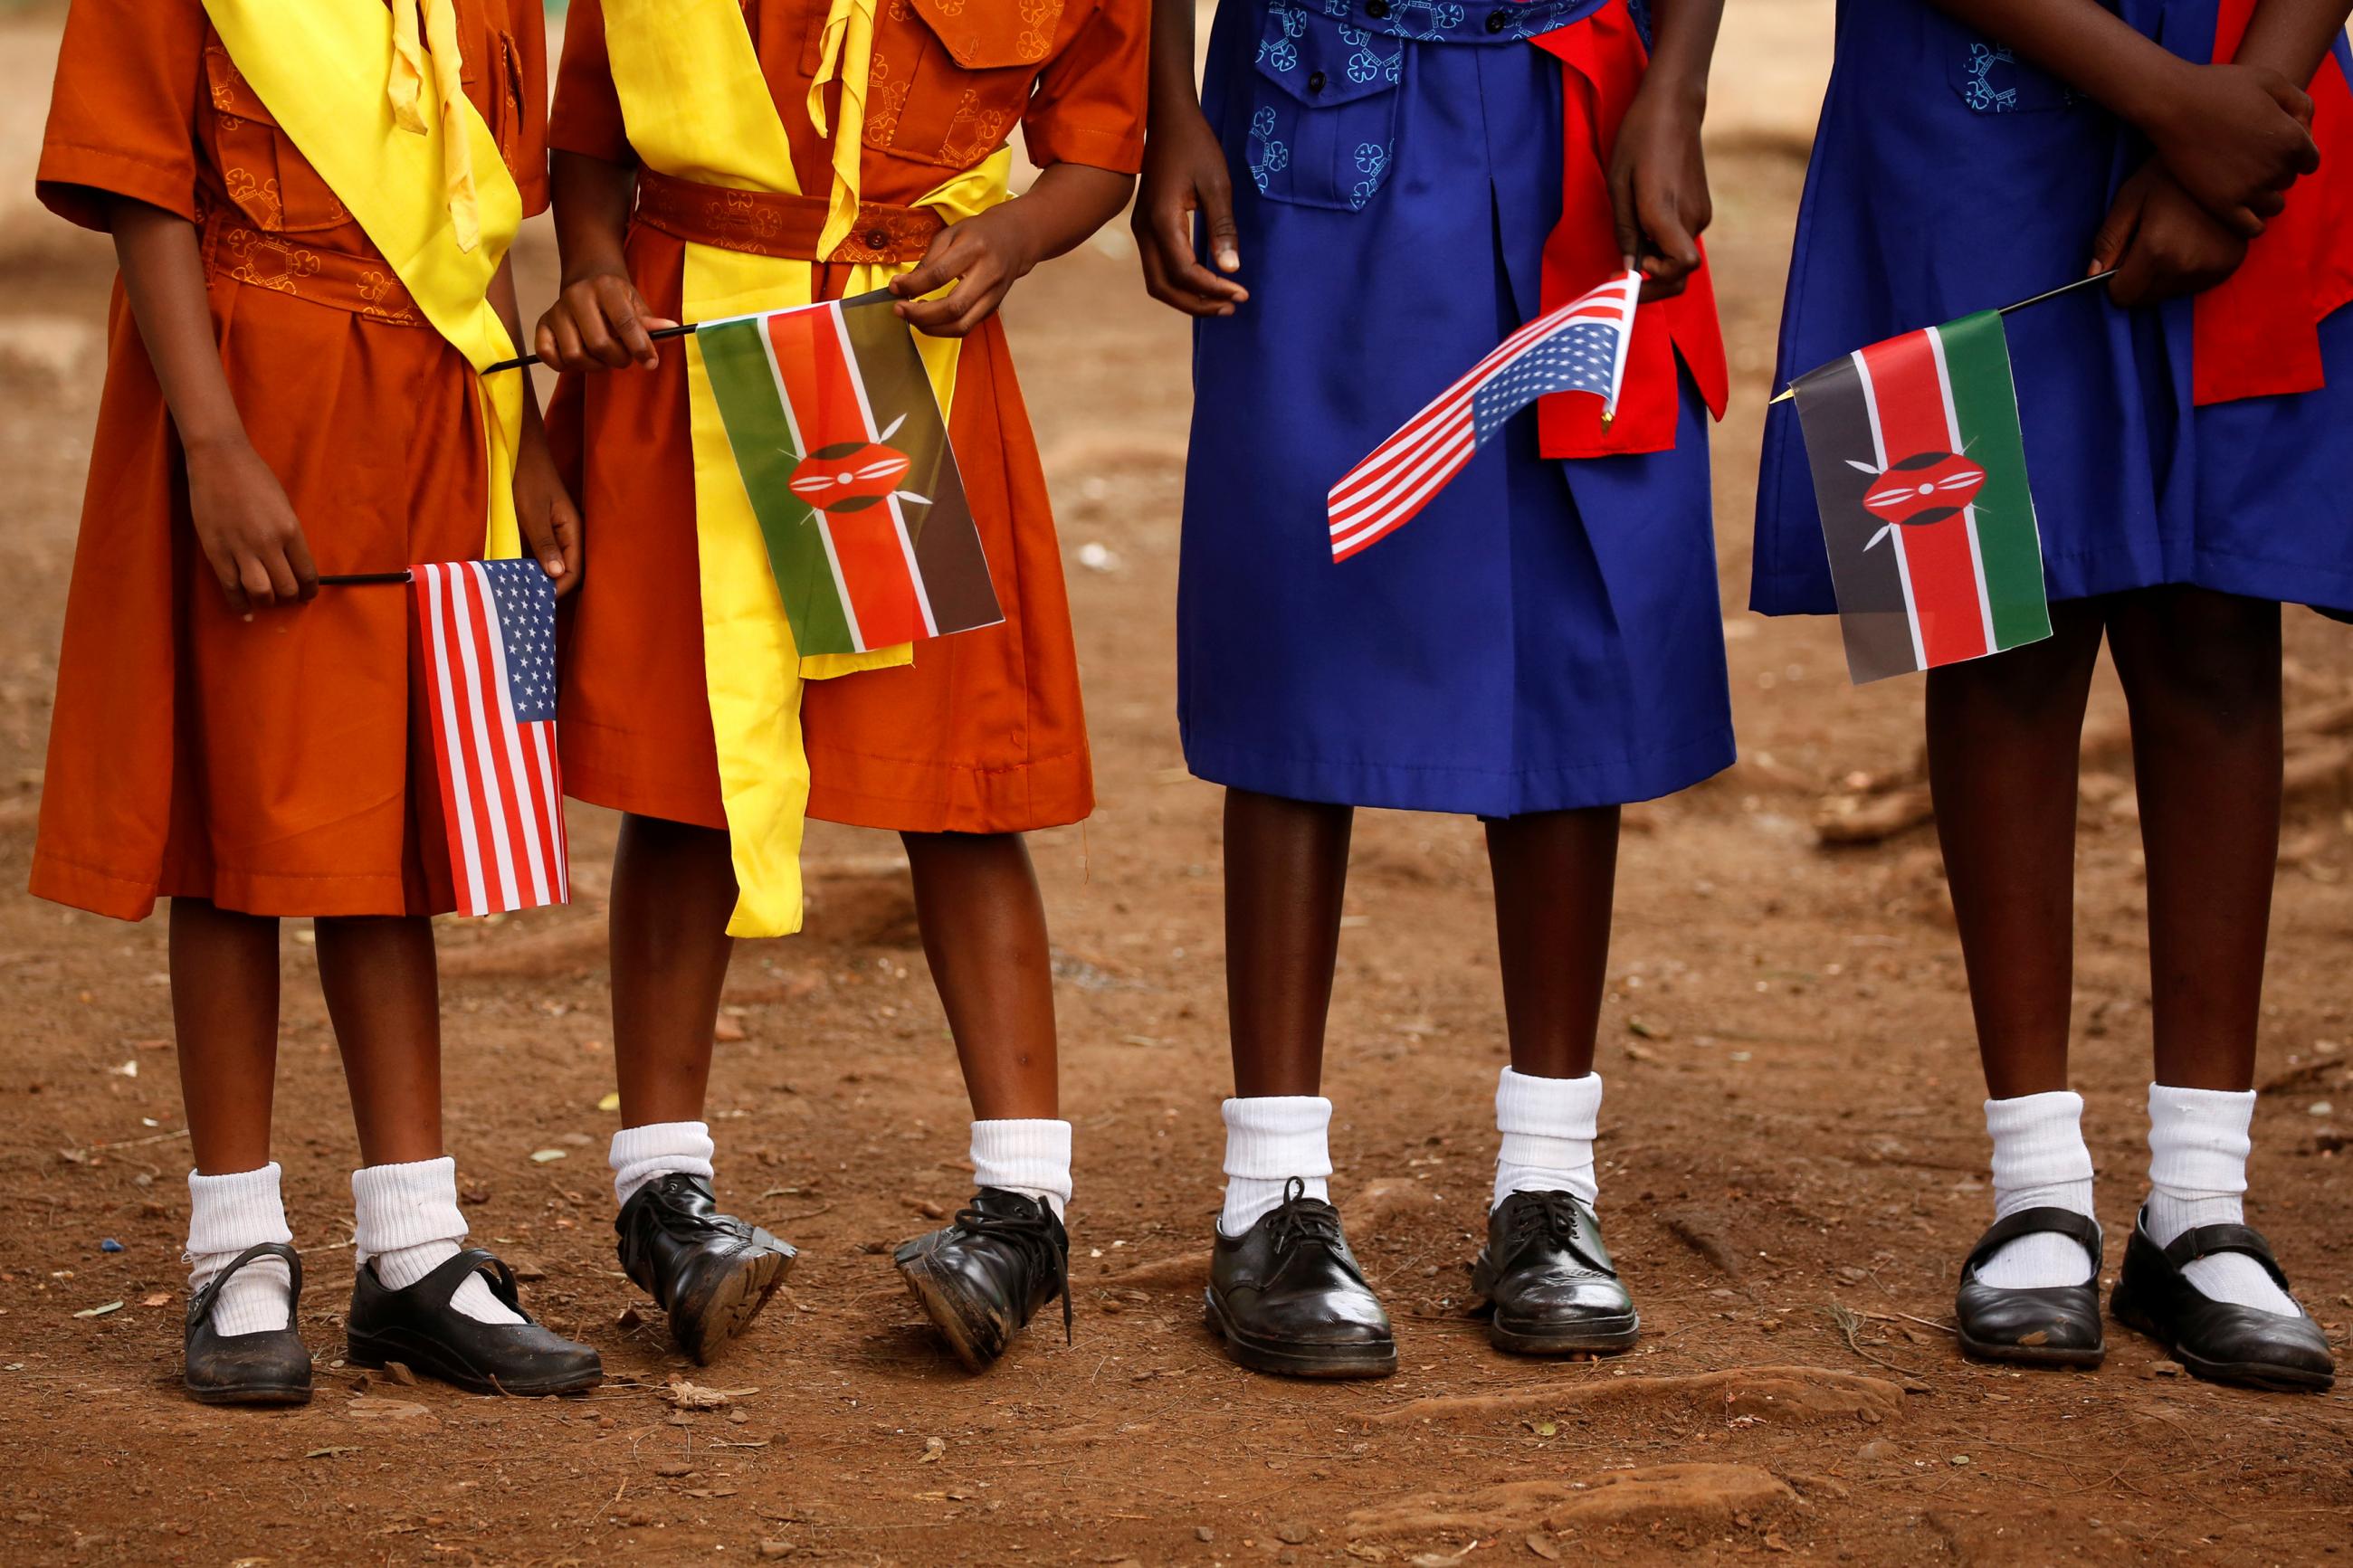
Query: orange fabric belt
[
  {"x": 766, "y": 223},
  {"x": 364, "y": 285}
]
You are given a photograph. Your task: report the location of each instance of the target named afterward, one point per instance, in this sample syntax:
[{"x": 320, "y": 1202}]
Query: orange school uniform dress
[
  {"x": 983, "y": 732},
  {"x": 266, "y": 766}
]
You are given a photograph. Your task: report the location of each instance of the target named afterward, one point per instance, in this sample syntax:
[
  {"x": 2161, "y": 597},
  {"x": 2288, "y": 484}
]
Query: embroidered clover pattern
[
  {"x": 1981, "y": 94},
  {"x": 1268, "y": 156}
]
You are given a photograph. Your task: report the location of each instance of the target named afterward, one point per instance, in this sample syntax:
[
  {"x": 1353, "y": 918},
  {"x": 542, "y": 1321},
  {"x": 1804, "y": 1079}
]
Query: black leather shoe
[
  {"x": 1550, "y": 1280},
  {"x": 2042, "y": 1325},
  {"x": 710, "y": 1271},
  {"x": 419, "y": 1327},
  {"x": 2216, "y": 1339},
  {"x": 267, "y": 1368},
  {"x": 981, "y": 1278},
  {"x": 1288, "y": 1295}
]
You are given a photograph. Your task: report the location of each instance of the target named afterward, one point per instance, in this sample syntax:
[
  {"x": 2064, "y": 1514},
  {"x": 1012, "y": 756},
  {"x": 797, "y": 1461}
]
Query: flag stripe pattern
[
  {"x": 1920, "y": 472},
  {"x": 487, "y": 629},
  {"x": 1579, "y": 347},
  {"x": 845, "y": 457}
]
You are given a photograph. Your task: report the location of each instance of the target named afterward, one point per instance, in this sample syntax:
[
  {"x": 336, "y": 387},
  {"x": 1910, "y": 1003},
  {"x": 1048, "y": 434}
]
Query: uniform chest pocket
[
  {"x": 950, "y": 78},
  {"x": 1323, "y": 110},
  {"x": 272, "y": 185},
  {"x": 1992, "y": 80}
]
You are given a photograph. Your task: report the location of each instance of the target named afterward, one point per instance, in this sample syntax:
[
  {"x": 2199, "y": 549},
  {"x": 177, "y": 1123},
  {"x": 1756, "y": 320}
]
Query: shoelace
[
  {"x": 1031, "y": 1235},
  {"x": 1301, "y": 1221},
  {"x": 1551, "y": 1216}
]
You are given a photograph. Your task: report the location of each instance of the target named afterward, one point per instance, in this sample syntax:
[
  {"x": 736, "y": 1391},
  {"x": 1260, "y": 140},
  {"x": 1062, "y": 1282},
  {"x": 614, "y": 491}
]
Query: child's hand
[
  {"x": 2235, "y": 138},
  {"x": 247, "y": 529},
  {"x": 2162, "y": 242},
  {"x": 1658, "y": 188},
  {"x": 598, "y": 323},
  {"x": 550, "y": 522},
  {"x": 986, "y": 255},
  {"x": 1184, "y": 173}
]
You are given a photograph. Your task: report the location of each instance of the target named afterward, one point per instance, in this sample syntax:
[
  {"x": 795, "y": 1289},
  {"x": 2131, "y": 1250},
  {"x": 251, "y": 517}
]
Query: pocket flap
[
  {"x": 1323, "y": 63},
  {"x": 990, "y": 35},
  {"x": 232, "y": 95}
]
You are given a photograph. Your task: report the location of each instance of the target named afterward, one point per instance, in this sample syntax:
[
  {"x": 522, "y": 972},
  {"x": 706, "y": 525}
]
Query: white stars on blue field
[
  {"x": 525, "y": 601},
  {"x": 1578, "y": 358}
]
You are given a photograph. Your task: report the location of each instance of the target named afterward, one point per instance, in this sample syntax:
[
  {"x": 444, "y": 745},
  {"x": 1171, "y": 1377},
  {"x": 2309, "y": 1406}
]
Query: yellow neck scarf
[
  {"x": 406, "y": 88},
  {"x": 847, "y": 53}
]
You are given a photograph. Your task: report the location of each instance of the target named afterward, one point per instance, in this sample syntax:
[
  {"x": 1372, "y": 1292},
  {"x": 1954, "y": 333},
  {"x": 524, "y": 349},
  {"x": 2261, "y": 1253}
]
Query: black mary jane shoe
[
  {"x": 1289, "y": 1298},
  {"x": 271, "y": 1367},
  {"x": 418, "y": 1328},
  {"x": 982, "y": 1277},
  {"x": 2044, "y": 1325},
  {"x": 2218, "y": 1340},
  {"x": 710, "y": 1271},
  {"x": 1550, "y": 1280}
]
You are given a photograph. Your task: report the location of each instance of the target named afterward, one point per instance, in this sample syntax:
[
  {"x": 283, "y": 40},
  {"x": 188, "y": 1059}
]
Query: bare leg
[
  {"x": 2004, "y": 737},
  {"x": 2203, "y": 672},
  {"x": 1556, "y": 876},
  {"x": 1286, "y": 872},
  {"x": 225, "y": 1012},
  {"x": 674, "y": 889},
  {"x": 384, "y": 998},
  {"x": 984, "y": 927}
]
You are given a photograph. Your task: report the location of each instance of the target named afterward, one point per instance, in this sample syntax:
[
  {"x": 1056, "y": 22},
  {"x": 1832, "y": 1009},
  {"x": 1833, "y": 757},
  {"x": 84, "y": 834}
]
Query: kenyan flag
[
  {"x": 845, "y": 456},
  {"x": 1920, "y": 471}
]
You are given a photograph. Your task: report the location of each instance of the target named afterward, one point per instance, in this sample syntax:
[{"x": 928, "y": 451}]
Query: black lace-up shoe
[
  {"x": 2044, "y": 1325},
  {"x": 271, "y": 1367},
  {"x": 710, "y": 1271},
  {"x": 2215, "y": 1340},
  {"x": 419, "y": 1327},
  {"x": 981, "y": 1278},
  {"x": 1289, "y": 1298},
  {"x": 1550, "y": 1280}
]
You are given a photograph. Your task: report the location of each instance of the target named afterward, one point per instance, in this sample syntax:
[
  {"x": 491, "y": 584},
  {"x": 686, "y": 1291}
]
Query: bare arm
[
  {"x": 243, "y": 520},
  {"x": 1658, "y": 174},
  {"x": 987, "y": 254},
  {"x": 598, "y": 322},
  {"x": 2293, "y": 36},
  {"x": 1185, "y": 174},
  {"x": 2233, "y": 136}
]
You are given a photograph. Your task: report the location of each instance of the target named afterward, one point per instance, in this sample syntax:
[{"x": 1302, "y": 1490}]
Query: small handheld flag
[
  {"x": 486, "y": 680},
  {"x": 845, "y": 457},
  {"x": 1919, "y": 469},
  {"x": 1579, "y": 347}
]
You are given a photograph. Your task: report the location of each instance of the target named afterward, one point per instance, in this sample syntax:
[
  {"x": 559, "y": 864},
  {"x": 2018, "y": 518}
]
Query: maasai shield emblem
[
  {"x": 1920, "y": 471},
  {"x": 844, "y": 453}
]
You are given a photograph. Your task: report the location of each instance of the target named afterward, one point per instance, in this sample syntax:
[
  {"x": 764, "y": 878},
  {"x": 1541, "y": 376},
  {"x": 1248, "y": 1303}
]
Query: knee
[{"x": 2209, "y": 661}]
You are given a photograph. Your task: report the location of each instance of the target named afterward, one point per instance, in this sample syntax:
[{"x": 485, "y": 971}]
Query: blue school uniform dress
[
  {"x": 2205, "y": 442},
  {"x": 1547, "y": 634}
]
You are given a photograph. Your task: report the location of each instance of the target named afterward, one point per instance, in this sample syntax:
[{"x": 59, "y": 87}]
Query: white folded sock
[
  {"x": 1270, "y": 1140},
  {"x": 2038, "y": 1162},
  {"x": 1547, "y": 1126},
  {"x": 659, "y": 1149},
  {"x": 2197, "y": 1148},
  {"x": 407, "y": 1223},
  {"x": 1030, "y": 1156},
  {"x": 225, "y": 1215}
]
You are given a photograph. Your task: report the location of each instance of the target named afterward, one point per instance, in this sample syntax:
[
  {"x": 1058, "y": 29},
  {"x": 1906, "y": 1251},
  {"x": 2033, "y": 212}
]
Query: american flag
[
  {"x": 488, "y": 629},
  {"x": 1580, "y": 347}
]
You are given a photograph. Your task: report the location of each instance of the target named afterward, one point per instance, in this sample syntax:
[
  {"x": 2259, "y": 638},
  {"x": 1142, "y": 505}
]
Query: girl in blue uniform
[
  {"x": 2185, "y": 433},
  {"x": 1386, "y": 188}
]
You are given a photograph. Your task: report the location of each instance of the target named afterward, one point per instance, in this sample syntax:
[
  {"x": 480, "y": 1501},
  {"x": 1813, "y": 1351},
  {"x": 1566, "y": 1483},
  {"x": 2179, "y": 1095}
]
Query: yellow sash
[
  {"x": 698, "y": 108},
  {"x": 321, "y": 66}
]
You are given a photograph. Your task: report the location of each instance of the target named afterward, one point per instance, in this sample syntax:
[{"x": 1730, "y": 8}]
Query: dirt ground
[{"x": 1793, "y": 1161}]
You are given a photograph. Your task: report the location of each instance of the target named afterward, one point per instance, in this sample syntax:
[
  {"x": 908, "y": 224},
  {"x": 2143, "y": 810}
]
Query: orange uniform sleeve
[
  {"x": 1089, "y": 106},
  {"x": 587, "y": 116},
  {"x": 123, "y": 115},
  {"x": 529, "y": 19}
]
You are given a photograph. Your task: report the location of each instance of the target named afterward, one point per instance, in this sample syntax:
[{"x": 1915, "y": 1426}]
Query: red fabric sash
[
  {"x": 1602, "y": 62},
  {"x": 2258, "y": 334}
]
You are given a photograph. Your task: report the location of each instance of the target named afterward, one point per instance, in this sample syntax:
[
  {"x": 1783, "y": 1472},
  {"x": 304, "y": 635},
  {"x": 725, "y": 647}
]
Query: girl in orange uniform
[{"x": 277, "y": 407}]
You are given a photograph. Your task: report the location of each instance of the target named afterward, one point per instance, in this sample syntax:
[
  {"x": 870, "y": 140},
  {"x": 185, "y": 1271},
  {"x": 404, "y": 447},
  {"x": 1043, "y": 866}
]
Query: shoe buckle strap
[
  {"x": 2212, "y": 1240},
  {"x": 2081, "y": 1228},
  {"x": 200, "y": 1306}
]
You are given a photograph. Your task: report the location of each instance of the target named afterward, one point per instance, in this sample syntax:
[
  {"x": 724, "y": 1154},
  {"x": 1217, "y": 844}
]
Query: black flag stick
[
  {"x": 875, "y": 297},
  {"x": 1788, "y": 393},
  {"x": 363, "y": 579}
]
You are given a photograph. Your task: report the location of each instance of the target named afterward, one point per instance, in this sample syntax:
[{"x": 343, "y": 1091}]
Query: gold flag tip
[{"x": 1783, "y": 395}]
